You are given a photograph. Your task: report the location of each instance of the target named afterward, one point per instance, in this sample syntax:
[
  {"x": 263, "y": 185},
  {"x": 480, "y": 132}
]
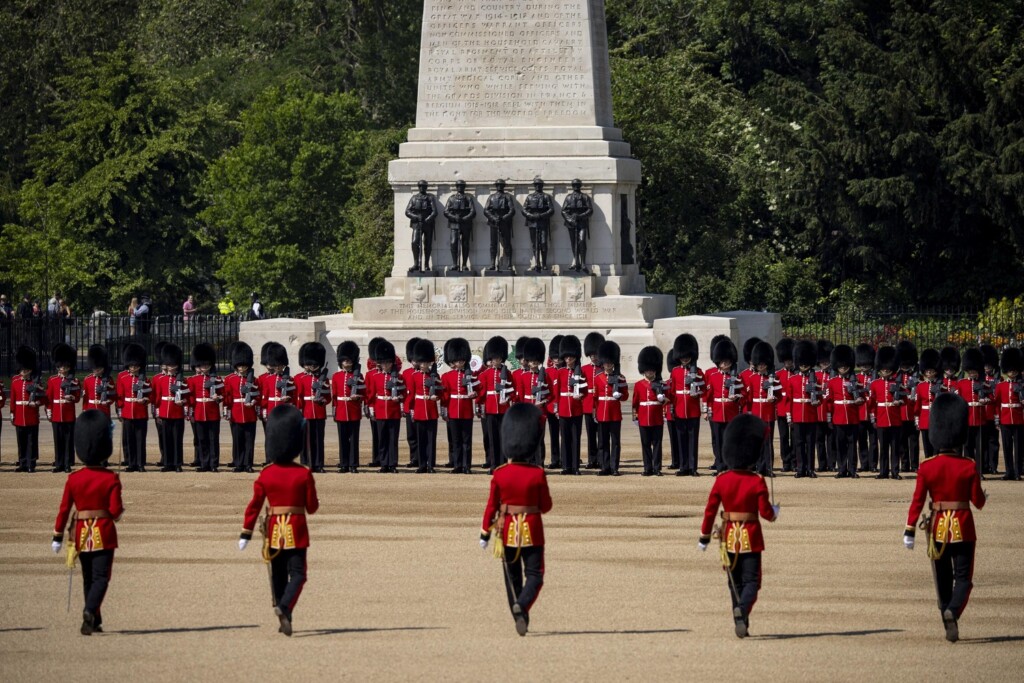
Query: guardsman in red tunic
[
  {"x": 762, "y": 391},
  {"x": 909, "y": 377},
  {"x": 784, "y": 355},
  {"x": 669, "y": 410},
  {"x": 348, "y": 391},
  {"x": 609, "y": 391},
  {"x": 98, "y": 391},
  {"x": 290, "y": 492},
  {"x": 385, "y": 390},
  {"x": 517, "y": 374},
  {"x": 953, "y": 483},
  {"x": 845, "y": 395},
  {"x": 650, "y": 395},
  {"x": 804, "y": 390},
  {"x": 276, "y": 385},
  {"x": 742, "y": 495},
  {"x": 708, "y": 376},
  {"x": 312, "y": 394},
  {"x": 533, "y": 387},
  {"x": 748, "y": 350},
  {"x": 371, "y": 370},
  {"x": 867, "y": 442},
  {"x": 724, "y": 397},
  {"x": 410, "y": 426},
  {"x": 424, "y": 386},
  {"x": 886, "y": 397},
  {"x": 519, "y": 496},
  {"x": 134, "y": 398},
  {"x": 1009, "y": 400},
  {"x": 495, "y": 395},
  {"x": 990, "y": 430},
  {"x": 572, "y": 389},
  {"x": 689, "y": 386},
  {"x": 171, "y": 405},
  {"x": 825, "y": 445},
  {"x": 458, "y": 400},
  {"x": 552, "y": 368},
  {"x": 62, "y": 393},
  {"x": 95, "y": 493},
  {"x": 978, "y": 394},
  {"x": 205, "y": 397},
  {"x": 241, "y": 406},
  {"x": 591, "y": 345},
  {"x": 926, "y": 392},
  {"x": 28, "y": 393}
]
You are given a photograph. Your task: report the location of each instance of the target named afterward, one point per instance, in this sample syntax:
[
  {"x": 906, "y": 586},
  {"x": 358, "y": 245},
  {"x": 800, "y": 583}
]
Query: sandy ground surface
[{"x": 399, "y": 589}]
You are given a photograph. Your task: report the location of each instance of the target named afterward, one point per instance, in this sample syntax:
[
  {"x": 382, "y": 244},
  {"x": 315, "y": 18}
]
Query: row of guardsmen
[{"x": 853, "y": 410}]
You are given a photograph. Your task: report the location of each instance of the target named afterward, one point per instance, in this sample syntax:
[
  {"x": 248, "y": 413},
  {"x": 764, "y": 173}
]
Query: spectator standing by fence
[
  {"x": 132, "y": 306},
  {"x": 186, "y": 312},
  {"x": 142, "y": 315},
  {"x": 24, "y": 308}
]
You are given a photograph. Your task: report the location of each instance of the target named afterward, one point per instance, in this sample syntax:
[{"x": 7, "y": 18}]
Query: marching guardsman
[
  {"x": 909, "y": 377},
  {"x": 990, "y": 430},
  {"x": 264, "y": 363},
  {"x": 533, "y": 387},
  {"x": 290, "y": 492},
  {"x": 650, "y": 395},
  {"x": 725, "y": 395},
  {"x": 241, "y": 406},
  {"x": 158, "y": 351},
  {"x": 95, "y": 493},
  {"x": 205, "y": 397},
  {"x": 743, "y": 496},
  {"x": 312, "y": 394},
  {"x": 926, "y": 392},
  {"x": 385, "y": 391},
  {"x": 410, "y": 425},
  {"x": 952, "y": 483},
  {"x": 98, "y": 391},
  {"x": 886, "y": 397},
  {"x": 171, "y": 405},
  {"x": 572, "y": 389},
  {"x": 949, "y": 364},
  {"x": 669, "y": 410},
  {"x": 519, "y": 496},
  {"x": 458, "y": 401},
  {"x": 591, "y": 344},
  {"x": 805, "y": 391},
  {"x": 27, "y": 395},
  {"x": 867, "y": 441},
  {"x": 610, "y": 390},
  {"x": 554, "y": 365},
  {"x": 762, "y": 390},
  {"x": 748, "y": 350},
  {"x": 348, "y": 389},
  {"x": 425, "y": 390},
  {"x": 371, "y": 370},
  {"x": 825, "y": 434},
  {"x": 495, "y": 395},
  {"x": 1009, "y": 399},
  {"x": 689, "y": 386},
  {"x": 134, "y": 398},
  {"x": 62, "y": 393},
  {"x": 784, "y": 355},
  {"x": 708, "y": 374},
  {"x": 978, "y": 394},
  {"x": 276, "y": 385},
  {"x": 845, "y": 395}
]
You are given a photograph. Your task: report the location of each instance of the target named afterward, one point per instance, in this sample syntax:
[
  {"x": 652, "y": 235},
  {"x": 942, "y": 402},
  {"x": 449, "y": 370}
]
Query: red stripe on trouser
[{"x": 302, "y": 583}]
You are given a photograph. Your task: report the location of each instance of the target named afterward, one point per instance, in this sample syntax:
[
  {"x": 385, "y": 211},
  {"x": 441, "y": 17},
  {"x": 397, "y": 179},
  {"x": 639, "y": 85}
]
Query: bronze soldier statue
[
  {"x": 460, "y": 212},
  {"x": 576, "y": 211},
  {"x": 421, "y": 212},
  {"x": 538, "y": 209},
  {"x": 499, "y": 212}
]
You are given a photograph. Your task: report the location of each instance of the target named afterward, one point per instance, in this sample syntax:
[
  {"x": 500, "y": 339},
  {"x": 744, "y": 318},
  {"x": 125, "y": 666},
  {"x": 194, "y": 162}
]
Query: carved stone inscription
[{"x": 427, "y": 312}]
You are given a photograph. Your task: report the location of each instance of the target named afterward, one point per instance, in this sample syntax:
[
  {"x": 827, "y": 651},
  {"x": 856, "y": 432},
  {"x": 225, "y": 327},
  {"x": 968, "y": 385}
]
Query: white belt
[
  {"x": 801, "y": 400},
  {"x": 63, "y": 400},
  {"x": 384, "y": 398},
  {"x": 607, "y": 398},
  {"x": 422, "y": 397},
  {"x": 1012, "y": 405},
  {"x": 725, "y": 400},
  {"x": 495, "y": 393},
  {"x": 22, "y": 403},
  {"x": 239, "y": 400},
  {"x": 570, "y": 395},
  {"x": 844, "y": 402},
  {"x": 893, "y": 404},
  {"x": 460, "y": 396},
  {"x": 278, "y": 398},
  {"x": 763, "y": 400},
  {"x": 975, "y": 404},
  {"x": 346, "y": 398},
  {"x": 96, "y": 401},
  {"x": 650, "y": 403},
  {"x": 137, "y": 400},
  {"x": 926, "y": 407},
  {"x": 166, "y": 398},
  {"x": 205, "y": 400}
]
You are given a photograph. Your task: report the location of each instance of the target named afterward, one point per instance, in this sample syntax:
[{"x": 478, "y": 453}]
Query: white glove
[
  {"x": 776, "y": 509},
  {"x": 661, "y": 397},
  {"x": 617, "y": 395},
  {"x": 242, "y": 542},
  {"x": 483, "y": 544},
  {"x": 908, "y": 542},
  {"x": 55, "y": 546},
  {"x": 701, "y": 546}
]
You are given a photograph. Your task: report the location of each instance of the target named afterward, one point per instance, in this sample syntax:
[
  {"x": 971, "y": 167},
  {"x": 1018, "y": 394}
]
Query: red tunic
[
  {"x": 488, "y": 394},
  {"x": 908, "y": 379},
  {"x": 164, "y": 397},
  {"x": 524, "y": 384},
  {"x": 842, "y": 406},
  {"x": 570, "y": 402},
  {"x": 801, "y": 410},
  {"x": 272, "y": 396},
  {"x": 923, "y": 404},
  {"x": 993, "y": 409},
  {"x": 408, "y": 399},
  {"x": 384, "y": 407},
  {"x": 723, "y": 408},
  {"x": 551, "y": 408},
  {"x": 91, "y": 488},
  {"x": 782, "y": 405},
  {"x": 457, "y": 398},
  {"x": 590, "y": 371},
  {"x": 739, "y": 491},
  {"x": 235, "y": 390},
  {"x": 424, "y": 403},
  {"x": 92, "y": 388},
  {"x": 948, "y": 479},
  {"x": 647, "y": 409},
  {"x": 130, "y": 406},
  {"x": 758, "y": 400},
  {"x": 1009, "y": 403},
  {"x": 205, "y": 402},
  {"x": 518, "y": 483},
  {"x": 882, "y": 403},
  {"x": 348, "y": 400},
  {"x": 865, "y": 379},
  {"x": 288, "y": 485},
  {"x": 312, "y": 406},
  {"x": 977, "y": 408},
  {"x": 60, "y": 406},
  {"x": 687, "y": 399},
  {"x": 609, "y": 408}
]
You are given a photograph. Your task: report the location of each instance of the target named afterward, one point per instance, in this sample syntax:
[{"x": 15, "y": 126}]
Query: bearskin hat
[
  {"x": 784, "y": 350},
  {"x": 609, "y": 352},
  {"x": 805, "y": 354},
  {"x": 521, "y": 432},
  {"x": 158, "y": 350},
  {"x": 592, "y": 344},
  {"x": 134, "y": 354},
  {"x": 671, "y": 360},
  {"x": 762, "y": 352},
  {"x": 93, "y": 444},
  {"x": 98, "y": 357},
  {"x": 410, "y": 347},
  {"x": 973, "y": 359},
  {"x": 520, "y": 343},
  {"x": 947, "y": 425},
  {"x": 284, "y": 434},
  {"x": 748, "y": 348},
  {"x": 348, "y": 350},
  {"x": 205, "y": 354},
  {"x": 385, "y": 351},
  {"x": 25, "y": 358},
  {"x": 865, "y": 355},
  {"x": 886, "y": 359},
  {"x": 555, "y": 346},
  {"x": 64, "y": 354},
  {"x": 906, "y": 352},
  {"x": 458, "y": 349},
  {"x": 1012, "y": 360},
  {"x": 533, "y": 350},
  {"x": 277, "y": 354},
  {"x": 949, "y": 359},
  {"x": 843, "y": 356},
  {"x": 424, "y": 352},
  {"x": 496, "y": 347},
  {"x": 825, "y": 351},
  {"x": 723, "y": 350},
  {"x": 650, "y": 358},
  {"x": 240, "y": 354},
  {"x": 371, "y": 348},
  {"x": 743, "y": 441},
  {"x": 714, "y": 342},
  {"x": 312, "y": 353},
  {"x": 570, "y": 346},
  {"x": 991, "y": 356},
  {"x": 685, "y": 346},
  {"x": 929, "y": 360},
  {"x": 171, "y": 355},
  {"x": 265, "y": 351}
]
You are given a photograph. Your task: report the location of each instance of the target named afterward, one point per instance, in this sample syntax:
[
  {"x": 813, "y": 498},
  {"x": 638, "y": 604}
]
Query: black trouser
[
  {"x": 426, "y": 442},
  {"x": 717, "y": 433},
  {"x": 990, "y": 442},
  {"x": 387, "y": 440},
  {"x": 243, "y": 444},
  {"x": 462, "y": 442},
  {"x": 174, "y": 437},
  {"x": 594, "y": 455},
  {"x": 571, "y": 428},
  {"x": 96, "y": 570},
  {"x": 846, "y": 447},
  {"x": 673, "y": 444},
  {"x": 610, "y": 446},
  {"x": 313, "y": 445},
  {"x": 135, "y": 441},
  {"x": 160, "y": 441},
  {"x": 374, "y": 444},
  {"x": 195, "y": 446},
  {"x": 926, "y": 444},
  {"x": 687, "y": 433},
  {"x": 28, "y": 446},
  {"x": 785, "y": 444},
  {"x": 910, "y": 450},
  {"x": 208, "y": 435},
  {"x": 63, "y": 445},
  {"x": 954, "y": 571},
  {"x": 888, "y": 454},
  {"x": 746, "y": 580},
  {"x": 288, "y": 572},
  {"x": 523, "y": 563},
  {"x": 972, "y": 445},
  {"x": 451, "y": 444},
  {"x": 1012, "y": 437},
  {"x": 554, "y": 432},
  {"x": 348, "y": 443},
  {"x": 492, "y": 429},
  {"x": 867, "y": 443},
  {"x": 823, "y": 446},
  {"x": 650, "y": 445},
  {"x": 804, "y": 437},
  {"x": 410, "y": 440},
  {"x": 766, "y": 464}
]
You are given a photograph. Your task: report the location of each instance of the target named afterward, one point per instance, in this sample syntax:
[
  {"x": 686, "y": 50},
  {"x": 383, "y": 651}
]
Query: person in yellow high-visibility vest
[{"x": 226, "y": 305}]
